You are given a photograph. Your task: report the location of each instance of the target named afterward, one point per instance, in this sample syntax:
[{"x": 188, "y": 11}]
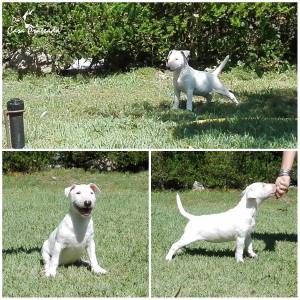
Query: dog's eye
[
  {"x": 92, "y": 192},
  {"x": 78, "y": 193}
]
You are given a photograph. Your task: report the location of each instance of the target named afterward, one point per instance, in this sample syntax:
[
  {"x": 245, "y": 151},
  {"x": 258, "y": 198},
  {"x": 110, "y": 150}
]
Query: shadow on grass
[
  {"x": 270, "y": 239},
  {"x": 269, "y": 115},
  {"x": 204, "y": 252},
  {"x": 254, "y": 106},
  {"x": 78, "y": 264},
  {"x": 13, "y": 251}
]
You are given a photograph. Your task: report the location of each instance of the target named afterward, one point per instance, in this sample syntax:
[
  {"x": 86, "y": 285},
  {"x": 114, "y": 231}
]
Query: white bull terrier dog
[
  {"x": 234, "y": 224},
  {"x": 193, "y": 82},
  {"x": 75, "y": 233}
]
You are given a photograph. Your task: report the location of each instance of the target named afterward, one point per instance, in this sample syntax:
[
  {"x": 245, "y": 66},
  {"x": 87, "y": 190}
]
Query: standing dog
[
  {"x": 235, "y": 224},
  {"x": 193, "y": 82},
  {"x": 75, "y": 232}
]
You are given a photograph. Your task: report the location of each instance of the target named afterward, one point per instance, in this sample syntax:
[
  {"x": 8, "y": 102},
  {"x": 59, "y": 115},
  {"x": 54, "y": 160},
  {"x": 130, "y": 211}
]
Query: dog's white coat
[
  {"x": 193, "y": 82},
  {"x": 75, "y": 233},
  {"x": 235, "y": 224}
]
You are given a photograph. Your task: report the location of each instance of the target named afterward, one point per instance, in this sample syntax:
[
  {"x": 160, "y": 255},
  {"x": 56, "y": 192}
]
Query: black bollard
[{"x": 15, "y": 110}]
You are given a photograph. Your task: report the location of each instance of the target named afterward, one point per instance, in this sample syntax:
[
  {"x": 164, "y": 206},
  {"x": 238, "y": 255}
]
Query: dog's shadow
[
  {"x": 20, "y": 250},
  {"x": 24, "y": 250},
  {"x": 211, "y": 253},
  {"x": 78, "y": 264},
  {"x": 269, "y": 239}
]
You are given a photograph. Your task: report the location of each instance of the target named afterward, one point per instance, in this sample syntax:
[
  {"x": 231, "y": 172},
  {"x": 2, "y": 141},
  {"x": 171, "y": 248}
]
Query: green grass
[
  {"x": 33, "y": 205},
  {"x": 132, "y": 110},
  {"x": 209, "y": 269}
]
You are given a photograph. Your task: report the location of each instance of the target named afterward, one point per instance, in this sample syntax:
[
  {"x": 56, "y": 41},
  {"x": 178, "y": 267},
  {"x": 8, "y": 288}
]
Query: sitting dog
[
  {"x": 75, "y": 232},
  {"x": 235, "y": 224},
  {"x": 193, "y": 82}
]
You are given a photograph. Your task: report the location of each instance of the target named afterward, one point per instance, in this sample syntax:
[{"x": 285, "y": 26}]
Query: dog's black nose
[{"x": 87, "y": 203}]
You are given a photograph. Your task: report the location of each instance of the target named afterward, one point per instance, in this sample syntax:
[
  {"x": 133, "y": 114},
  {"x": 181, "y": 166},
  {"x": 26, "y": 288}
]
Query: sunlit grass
[{"x": 132, "y": 110}]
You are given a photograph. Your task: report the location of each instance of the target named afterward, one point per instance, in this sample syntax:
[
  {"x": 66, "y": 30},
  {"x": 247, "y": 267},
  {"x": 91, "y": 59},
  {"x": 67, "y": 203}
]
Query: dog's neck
[
  {"x": 249, "y": 205},
  {"x": 180, "y": 71},
  {"x": 80, "y": 224}
]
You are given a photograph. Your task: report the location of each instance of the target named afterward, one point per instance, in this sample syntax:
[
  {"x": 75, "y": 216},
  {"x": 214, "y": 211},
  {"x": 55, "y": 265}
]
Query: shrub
[
  {"x": 260, "y": 35},
  {"x": 29, "y": 162},
  {"x": 26, "y": 161},
  {"x": 179, "y": 170}
]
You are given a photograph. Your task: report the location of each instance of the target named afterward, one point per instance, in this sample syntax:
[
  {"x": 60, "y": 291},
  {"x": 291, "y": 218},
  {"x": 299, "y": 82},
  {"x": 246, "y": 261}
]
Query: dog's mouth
[{"x": 84, "y": 211}]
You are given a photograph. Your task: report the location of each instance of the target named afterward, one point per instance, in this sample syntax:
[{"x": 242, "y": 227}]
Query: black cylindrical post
[{"x": 15, "y": 110}]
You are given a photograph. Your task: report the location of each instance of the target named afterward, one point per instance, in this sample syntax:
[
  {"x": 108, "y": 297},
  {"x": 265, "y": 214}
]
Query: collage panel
[
  {"x": 142, "y": 149},
  {"x": 150, "y": 75},
  {"x": 221, "y": 227},
  {"x": 75, "y": 224}
]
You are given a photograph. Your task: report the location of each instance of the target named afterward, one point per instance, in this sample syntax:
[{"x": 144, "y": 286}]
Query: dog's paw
[
  {"x": 168, "y": 258},
  {"x": 99, "y": 270},
  {"x": 50, "y": 273},
  {"x": 252, "y": 254},
  {"x": 239, "y": 259}
]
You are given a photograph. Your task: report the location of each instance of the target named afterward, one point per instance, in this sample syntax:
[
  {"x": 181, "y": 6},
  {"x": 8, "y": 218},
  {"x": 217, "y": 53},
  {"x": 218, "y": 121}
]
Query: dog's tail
[
  {"x": 219, "y": 69},
  {"x": 181, "y": 209}
]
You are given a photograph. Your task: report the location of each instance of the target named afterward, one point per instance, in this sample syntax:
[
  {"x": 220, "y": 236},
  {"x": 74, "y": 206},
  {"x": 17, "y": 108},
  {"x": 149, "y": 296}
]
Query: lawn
[
  {"x": 209, "y": 269},
  {"x": 132, "y": 110},
  {"x": 33, "y": 205}
]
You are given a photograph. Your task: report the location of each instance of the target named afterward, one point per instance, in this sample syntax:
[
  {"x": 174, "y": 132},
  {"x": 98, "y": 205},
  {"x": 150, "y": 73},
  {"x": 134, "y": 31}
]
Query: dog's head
[
  {"x": 82, "y": 198},
  {"x": 177, "y": 59},
  {"x": 259, "y": 191}
]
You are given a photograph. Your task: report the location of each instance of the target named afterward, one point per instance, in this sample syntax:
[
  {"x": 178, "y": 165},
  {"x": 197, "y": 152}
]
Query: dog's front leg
[
  {"x": 249, "y": 247},
  {"x": 176, "y": 98},
  {"x": 189, "y": 102},
  {"x": 240, "y": 245},
  {"x": 51, "y": 270},
  {"x": 93, "y": 259}
]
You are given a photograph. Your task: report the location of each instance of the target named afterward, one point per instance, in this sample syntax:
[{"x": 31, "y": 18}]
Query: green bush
[
  {"x": 29, "y": 162},
  {"x": 25, "y": 161},
  {"x": 179, "y": 170},
  {"x": 260, "y": 35}
]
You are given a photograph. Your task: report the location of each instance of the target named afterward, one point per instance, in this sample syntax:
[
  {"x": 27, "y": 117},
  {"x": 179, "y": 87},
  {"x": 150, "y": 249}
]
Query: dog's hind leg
[
  {"x": 223, "y": 91},
  {"x": 184, "y": 241}
]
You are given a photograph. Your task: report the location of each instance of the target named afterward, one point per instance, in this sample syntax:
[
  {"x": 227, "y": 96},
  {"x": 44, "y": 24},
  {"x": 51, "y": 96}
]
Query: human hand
[{"x": 282, "y": 185}]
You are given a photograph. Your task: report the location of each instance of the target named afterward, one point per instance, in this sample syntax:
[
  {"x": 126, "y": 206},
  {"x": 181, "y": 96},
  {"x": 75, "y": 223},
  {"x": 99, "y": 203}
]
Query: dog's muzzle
[{"x": 84, "y": 211}]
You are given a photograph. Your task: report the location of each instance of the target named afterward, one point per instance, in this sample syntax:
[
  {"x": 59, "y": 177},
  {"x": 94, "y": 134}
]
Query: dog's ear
[
  {"x": 251, "y": 193},
  {"x": 69, "y": 189},
  {"x": 169, "y": 54},
  {"x": 186, "y": 53},
  {"x": 94, "y": 187},
  {"x": 184, "y": 56}
]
